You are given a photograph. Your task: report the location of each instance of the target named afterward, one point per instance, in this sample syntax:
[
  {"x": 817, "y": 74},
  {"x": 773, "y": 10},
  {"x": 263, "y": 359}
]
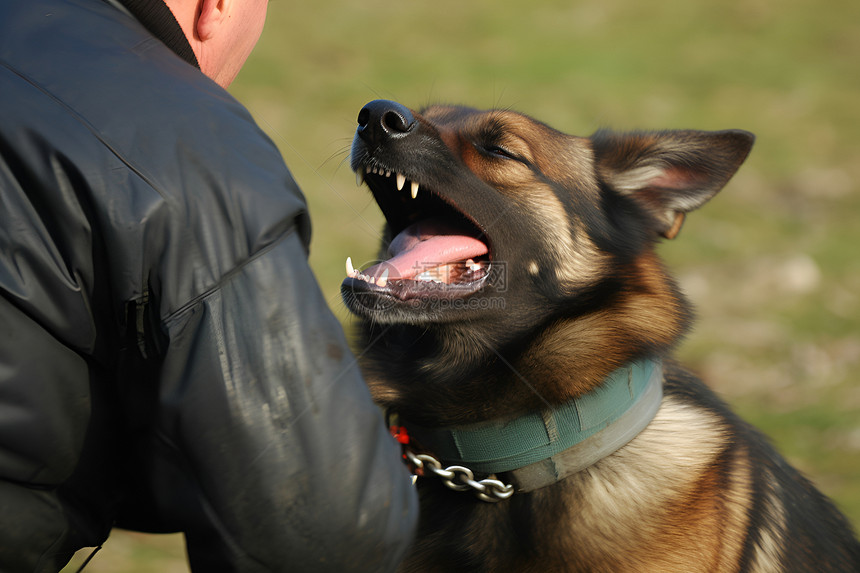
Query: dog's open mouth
[{"x": 437, "y": 250}]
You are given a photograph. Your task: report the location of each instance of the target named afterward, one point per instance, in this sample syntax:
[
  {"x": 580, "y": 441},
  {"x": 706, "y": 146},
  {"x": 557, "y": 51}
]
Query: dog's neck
[
  {"x": 411, "y": 371},
  {"x": 453, "y": 374},
  {"x": 540, "y": 448}
]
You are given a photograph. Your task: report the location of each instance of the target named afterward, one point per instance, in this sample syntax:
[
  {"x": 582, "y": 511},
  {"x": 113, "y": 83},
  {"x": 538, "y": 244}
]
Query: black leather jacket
[{"x": 167, "y": 362}]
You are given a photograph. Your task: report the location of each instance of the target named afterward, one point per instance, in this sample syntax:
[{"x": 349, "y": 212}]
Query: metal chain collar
[{"x": 460, "y": 478}]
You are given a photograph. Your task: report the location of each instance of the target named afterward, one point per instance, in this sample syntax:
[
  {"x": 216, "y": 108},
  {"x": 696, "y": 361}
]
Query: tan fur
[
  {"x": 577, "y": 355},
  {"x": 577, "y": 261},
  {"x": 769, "y": 549},
  {"x": 631, "y": 489}
]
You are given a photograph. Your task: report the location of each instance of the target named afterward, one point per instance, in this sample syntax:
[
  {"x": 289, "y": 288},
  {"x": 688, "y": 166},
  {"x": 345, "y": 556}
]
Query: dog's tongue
[{"x": 425, "y": 245}]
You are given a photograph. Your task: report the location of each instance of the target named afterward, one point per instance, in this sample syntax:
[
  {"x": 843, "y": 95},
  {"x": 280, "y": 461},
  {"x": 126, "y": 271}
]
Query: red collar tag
[{"x": 400, "y": 434}]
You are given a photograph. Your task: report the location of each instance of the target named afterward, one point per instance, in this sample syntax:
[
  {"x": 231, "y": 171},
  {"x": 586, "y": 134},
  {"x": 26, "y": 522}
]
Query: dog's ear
[{"x": 671, "y": 172}]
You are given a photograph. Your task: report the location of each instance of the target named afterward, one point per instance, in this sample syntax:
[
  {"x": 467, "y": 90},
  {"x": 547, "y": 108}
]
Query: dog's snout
[{"x": 382, "y": 119}]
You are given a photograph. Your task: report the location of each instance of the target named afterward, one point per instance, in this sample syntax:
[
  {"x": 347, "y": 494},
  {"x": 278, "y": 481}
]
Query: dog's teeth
[
  {"x": 359, "y": 178},
  {"x": 387, "y": 173},
  {"x": 383, "y": 279},
  {"x": 401, "y": 181},
  {"x": 414, "y": 189},
  {"x": 350, "y": 270},
  {"x": 369, "y": 169}
]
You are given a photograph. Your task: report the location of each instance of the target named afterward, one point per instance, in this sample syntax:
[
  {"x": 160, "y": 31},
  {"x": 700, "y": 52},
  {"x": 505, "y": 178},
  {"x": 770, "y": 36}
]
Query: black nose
[{"x": 382, "y": 119}]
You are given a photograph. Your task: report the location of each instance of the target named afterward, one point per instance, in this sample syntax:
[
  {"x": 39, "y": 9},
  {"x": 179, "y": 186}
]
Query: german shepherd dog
[{"x": 520, "y": 326}]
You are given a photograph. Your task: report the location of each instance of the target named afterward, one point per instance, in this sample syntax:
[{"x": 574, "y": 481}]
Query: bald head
[{"x": 222, "y": 33}]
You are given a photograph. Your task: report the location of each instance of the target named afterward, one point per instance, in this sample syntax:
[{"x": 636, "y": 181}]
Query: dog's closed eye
[{"x": 499, "y": 152}]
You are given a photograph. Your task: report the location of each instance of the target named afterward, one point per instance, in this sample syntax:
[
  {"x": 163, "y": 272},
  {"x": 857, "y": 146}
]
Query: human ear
[{"x": 212, "y": 14}]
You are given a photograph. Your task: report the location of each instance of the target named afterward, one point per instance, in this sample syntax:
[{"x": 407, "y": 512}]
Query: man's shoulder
[
  {"x": 111, "y": 73},
  {"x": 99, "y": 73},
  {"x": 154, "y": 147}
]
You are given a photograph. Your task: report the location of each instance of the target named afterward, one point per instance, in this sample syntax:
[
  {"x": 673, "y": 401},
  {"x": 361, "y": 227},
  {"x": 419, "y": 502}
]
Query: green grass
[{"x": 773, "y": 263}]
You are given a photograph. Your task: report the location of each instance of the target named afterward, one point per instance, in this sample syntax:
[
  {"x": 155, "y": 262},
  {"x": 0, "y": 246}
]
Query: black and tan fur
[{"x": 573, "y": 223}]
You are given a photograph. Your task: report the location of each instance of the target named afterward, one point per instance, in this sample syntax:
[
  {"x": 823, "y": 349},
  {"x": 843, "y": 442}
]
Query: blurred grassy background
[{"x": 772, "y": 263}]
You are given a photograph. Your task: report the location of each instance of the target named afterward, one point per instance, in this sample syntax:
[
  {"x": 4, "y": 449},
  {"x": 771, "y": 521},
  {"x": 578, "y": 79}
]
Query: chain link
[{"x": 460, "y": 478}]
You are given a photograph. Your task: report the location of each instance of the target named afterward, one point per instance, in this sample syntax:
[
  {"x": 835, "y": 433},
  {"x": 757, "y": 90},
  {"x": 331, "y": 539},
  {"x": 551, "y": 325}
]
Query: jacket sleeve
[{"x": 263, "y": 409}]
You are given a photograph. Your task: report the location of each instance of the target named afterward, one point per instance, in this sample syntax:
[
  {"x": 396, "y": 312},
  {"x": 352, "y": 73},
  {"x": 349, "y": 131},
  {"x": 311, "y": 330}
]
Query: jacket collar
[
  {"x": 541, "y": 448},
  {"x": 156, "y": 17}
]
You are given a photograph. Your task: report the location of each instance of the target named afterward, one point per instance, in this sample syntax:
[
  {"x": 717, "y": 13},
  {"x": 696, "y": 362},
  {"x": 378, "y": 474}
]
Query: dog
[{"x": 519, "y": 330}]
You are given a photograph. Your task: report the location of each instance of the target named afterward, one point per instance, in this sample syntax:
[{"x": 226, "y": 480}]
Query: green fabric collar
[{"x": 542, "y": 447}]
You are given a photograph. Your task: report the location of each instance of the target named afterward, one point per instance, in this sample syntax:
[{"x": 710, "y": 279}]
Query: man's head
[{"x": 222, "y": 33}]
